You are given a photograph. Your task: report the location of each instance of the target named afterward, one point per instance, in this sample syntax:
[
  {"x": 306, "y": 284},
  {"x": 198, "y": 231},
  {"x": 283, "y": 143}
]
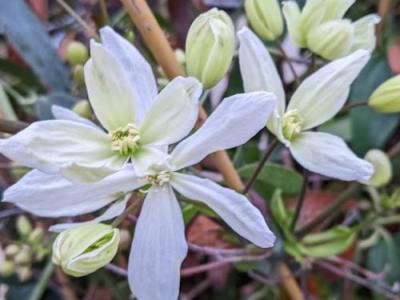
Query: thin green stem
[
  {"x": 330, "y": 211},
  {"x": 354, "y": 104},
  {"x": 43, "y": 281},
  {"x": 260, "y": 165},
  {"x": 300, "y": 200},
  {"x": 12, "y": 127},
  {"x": 104, "y": 12}
]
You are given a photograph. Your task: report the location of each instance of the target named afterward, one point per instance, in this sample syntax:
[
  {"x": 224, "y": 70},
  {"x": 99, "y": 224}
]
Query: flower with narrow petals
[
  {"x": 159, "y": 244},
  {"x": 319, "y": 98},
  {"x": 320, "y": 27},
  {"x": 137, "y": 122}
]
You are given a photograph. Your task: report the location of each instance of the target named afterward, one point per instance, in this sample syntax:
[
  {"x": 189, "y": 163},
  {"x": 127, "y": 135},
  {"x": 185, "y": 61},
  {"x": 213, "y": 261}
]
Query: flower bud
[
  {"x": 210, "y": 46},
  {"x": 331, "y": 40},
  {"x": 265, "y": 17},
  {"x": 386, "y": 98},
  {"x": 76, "y": 53},
  {"x": 7, "y": 268},
  {"x": 11, "y": 250},
  {"x": 23, "y": 257},
  {"x": 78, "y": 75},
  {"x": 83, "y": 109},
  {"x": 24, "y": 273},
  {"x": 84, "y": 249},
  {"x": 24, "y": 226},
  {"x": 36, "y": 236},
  {"x": 382, "y": 168}
]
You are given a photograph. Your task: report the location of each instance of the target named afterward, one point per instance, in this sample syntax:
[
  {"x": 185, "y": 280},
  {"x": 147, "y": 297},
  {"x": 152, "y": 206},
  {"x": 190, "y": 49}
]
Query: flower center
[
  {"x": 291, "y": 124},
  {"x": 159, "y": 178},
  {"x": 125, "y": 140}
]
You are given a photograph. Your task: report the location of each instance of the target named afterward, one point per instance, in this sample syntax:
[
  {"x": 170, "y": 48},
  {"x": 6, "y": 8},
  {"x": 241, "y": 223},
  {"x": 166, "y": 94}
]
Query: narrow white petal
[
  {"x": 114, "y": 210},
  {"x": 324, "y": 93},
  {"x": 158, "y": 247},
  {"x": 56, "y": 144},
  {"x": 53, "y": 196},
  {"x": 335, "y": 9},
  {"x": 329, "y": 155},
  {"x": 234, "y": 208},
  {"x": 173, "y": 114},
  {"x": 110, "y": 92},
  {"x": 236, "y": 120},
  {"x": 258, "y": 68},
  {"x": 137, "y": 69},
  {"x": 61, "y": 113}
]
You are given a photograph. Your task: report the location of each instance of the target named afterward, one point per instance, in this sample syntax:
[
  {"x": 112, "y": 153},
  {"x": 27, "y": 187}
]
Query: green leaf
[
  {"x": 29, "y": 38},
  {"x": 371, "y": 129},
  {"x": 272, "y": 177}
]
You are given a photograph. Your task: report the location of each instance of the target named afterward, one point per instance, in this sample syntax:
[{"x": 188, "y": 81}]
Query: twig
[
  {"x": 78, "y": 18},
  {"x": 300, "y": 200},
  {"x": 41, "y": 285},
  {"x": 340, "y": 200},
  {"x": 292, "y": 69},
  {"x": 134, "y": 207},
  {"x": 12, "y": 127},
  {"x": 116, "y": 270},
  {"x": 353, "y": 105},
  {"x": 104, "y": 12},
  {"x": 198, "y": 289},
  {"x": 220, "y": 252},
  {"x": 260, "y": 165}
]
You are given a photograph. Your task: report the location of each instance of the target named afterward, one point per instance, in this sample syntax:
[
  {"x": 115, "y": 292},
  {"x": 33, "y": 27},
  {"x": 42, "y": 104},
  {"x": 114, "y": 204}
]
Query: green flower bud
[
  {"x": 24, "y": 257},
  {"x": 24, "y": 226},
  {"x": 84, "y": 249},
  {"x": 36, "y": 236},
  {"x": 382, "y": 168},
  {"x": 210, "y": 46},
  {"x": 386, "y": 98},
  {"x": 24, "y": 273},
  {"x": 265, "y": 17},
  {"x": 11, "y": 250},
  {"x": 78, "y": 75},
  {"x": 7, "y": 268},
  {"x": 83, "y": 109},
  {"x": 331, "y": 40},
  {"x": 76, "y": 53}
]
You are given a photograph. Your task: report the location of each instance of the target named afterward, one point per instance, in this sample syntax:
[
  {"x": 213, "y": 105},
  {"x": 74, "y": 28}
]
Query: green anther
[
  {"x": 291, "y": 124},
  {"x": 125, "y": 140}
]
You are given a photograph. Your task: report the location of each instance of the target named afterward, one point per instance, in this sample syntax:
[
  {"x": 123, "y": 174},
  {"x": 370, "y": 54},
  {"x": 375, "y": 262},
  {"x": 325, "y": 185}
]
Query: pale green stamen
[
  {"x": 159, "y": 179},
  {"x": 291, "y": 124},
  {"x": 125, "y": 140}
]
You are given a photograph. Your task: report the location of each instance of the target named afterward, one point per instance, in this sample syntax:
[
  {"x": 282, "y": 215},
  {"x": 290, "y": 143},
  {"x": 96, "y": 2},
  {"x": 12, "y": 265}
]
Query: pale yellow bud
[
  {"x": 24, "y": 273},
  {"x": 84, "y": 249},
  {"x": 331, "y": 40},
  {"x": 7, "y": 268},
  {"x": 24, "y": 226},
  {"x": 24, "y": 257},
  {"x": 11, "y": 250},
  {"x": 210, "y": 47},
  {"x": 82, "y": 108},
  {"x": 386, "y": 98},
  {"x": 77, "y": 75},
  {"x": 265, "y": 17},
  {"x": 76, "y": 53},
  {"x": 36, "y": 236},
  {"x": 382, "y": 168}
]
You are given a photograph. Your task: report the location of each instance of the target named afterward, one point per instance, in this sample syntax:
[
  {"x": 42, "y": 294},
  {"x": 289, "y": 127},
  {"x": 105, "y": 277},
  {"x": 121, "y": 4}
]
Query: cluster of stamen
[
  {"x": 125, "y": 140},
  {"x": 291, "y": 124},
  {"x": 159, "y": 178}
]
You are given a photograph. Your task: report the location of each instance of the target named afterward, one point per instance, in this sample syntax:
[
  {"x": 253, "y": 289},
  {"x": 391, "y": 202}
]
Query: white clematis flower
[
  {"x": 319, "y": 98},
  {"x": 138, "y": 122},
  {"x": 159, "y": 244}
]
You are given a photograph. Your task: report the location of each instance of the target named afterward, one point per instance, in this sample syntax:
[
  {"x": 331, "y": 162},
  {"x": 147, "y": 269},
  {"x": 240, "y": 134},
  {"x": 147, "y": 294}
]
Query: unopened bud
[
  {"x": 331, "y": 40},
  {"x": 84, "y": 249},
  {"x": 265, "y": 17},
  {"x": 82, "y": 108},
  {"x": 24, "y": 273},
  {"x": 78, "y": 75},
  {"x": 76, "y": 53},
  {"x": 11, "y": 250},
  {"x": 382, "y": 168},
  {"x": 36, "y": 236},
  {"x": 210, "y": 47},
  {"x": 24, "y": 257},
  {"x": 7, "y": 268},
  {"x": 24, "y": 226},
  {"x": 386, "y": 98}
]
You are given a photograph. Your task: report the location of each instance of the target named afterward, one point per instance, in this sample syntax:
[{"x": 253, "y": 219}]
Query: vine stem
[
  {"x": 42, "y": 283},
  {"x": 353, "y": 105},
  {"x": 300, "y": 201},
  {"x": 157, "y": 42},
  {"x": 131, "y": 208},
  {"x": 12, "y": 127}
]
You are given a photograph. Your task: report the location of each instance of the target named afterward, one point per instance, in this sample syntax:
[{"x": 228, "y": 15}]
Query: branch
[{"x": 12, "y": 127}]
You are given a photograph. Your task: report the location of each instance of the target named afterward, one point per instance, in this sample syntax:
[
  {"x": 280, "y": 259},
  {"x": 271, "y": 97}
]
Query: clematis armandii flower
[
  {"x": 159, "y": 245},
  {"x": 319, "y": 98},
  {"x": 138, "y": 123}
]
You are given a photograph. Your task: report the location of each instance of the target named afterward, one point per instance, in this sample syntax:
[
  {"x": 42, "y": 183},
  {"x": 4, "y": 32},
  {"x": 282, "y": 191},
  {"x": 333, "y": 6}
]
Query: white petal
[
  {"x": 236, "y": 120},
  {"x": 364, "y": 32},
  {"x": 323, "y": 94},
  {"x": 110, "y": 92},
  {"x": 53, "y": 196},
  {"x": 138, "y": 71},
  {"x": 173, "y": 114},
  {"x": 329, "y": 155},
  {"x": 147, "y": 158},
  {"x": 292, "y": 14},
  {"x": 335, "y": 9},
  {"x": 258, "y": 68},
  {"x": 56, "y": 144},
  {"x": 114, "y": 210},
  {"x": 158, "y": 247},
  {"x": 61, "y": 113},
  {"x": 236, "y": 210}
]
